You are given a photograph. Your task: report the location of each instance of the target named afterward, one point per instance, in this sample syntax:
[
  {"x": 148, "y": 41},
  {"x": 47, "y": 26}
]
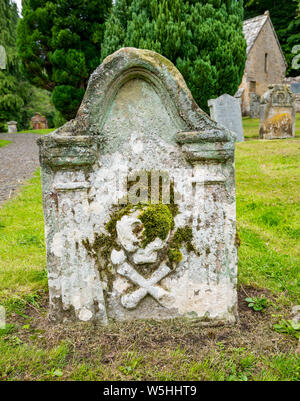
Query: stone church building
[{"x": 266, "y": 64}]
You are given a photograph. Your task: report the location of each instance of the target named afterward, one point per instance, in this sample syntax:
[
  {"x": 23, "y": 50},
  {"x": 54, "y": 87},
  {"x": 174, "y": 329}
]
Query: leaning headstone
[
  {"x": 226, "y": 110},
  {"x": 12, "y": 127},
  {"x": 277, "y": 113},
  {"x": 139, "y": 201}
]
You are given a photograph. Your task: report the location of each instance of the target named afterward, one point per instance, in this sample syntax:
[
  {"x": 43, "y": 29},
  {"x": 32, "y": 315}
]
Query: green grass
[
  {"x": 251, "y": 127},
  {"x": 18, "y": 360},
  {"x": 4, "y": 143},
  {"x": 22, "y": 249},
  {"x": 38, "y": 131},
  {"x": 268, "y": 206}
]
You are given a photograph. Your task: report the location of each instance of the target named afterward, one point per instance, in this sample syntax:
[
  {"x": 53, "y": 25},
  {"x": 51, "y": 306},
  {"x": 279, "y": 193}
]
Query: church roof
[{"x": 252, "y": 28}]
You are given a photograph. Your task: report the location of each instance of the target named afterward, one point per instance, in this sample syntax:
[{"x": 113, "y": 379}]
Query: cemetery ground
[
  {"x": 43, "y": 131},
  {"x": 268, "y": 207},
  {"x": 3, "y": 143}
]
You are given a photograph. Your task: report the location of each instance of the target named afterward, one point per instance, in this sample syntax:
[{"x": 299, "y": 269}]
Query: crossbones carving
[
  {"x": 129, "y": 236},
  {"x": 147, "y": 286}
]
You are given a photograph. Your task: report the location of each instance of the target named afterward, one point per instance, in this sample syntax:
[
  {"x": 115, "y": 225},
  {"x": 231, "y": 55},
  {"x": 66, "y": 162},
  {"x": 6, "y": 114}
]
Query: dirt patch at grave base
[{"x": 157, "y": 339}]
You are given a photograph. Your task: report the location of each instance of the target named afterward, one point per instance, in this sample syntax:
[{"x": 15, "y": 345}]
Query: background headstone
[
  {"x": 278, "y": 116},
  {"x": 3, "y": 58},
  {"x": 120, "y": 245},
  {"x": 226, "y": 110},
  {"x": 12, "y": 127},
  {"x": 295, "y": 87},
  {"x": 254, "y": 105}
]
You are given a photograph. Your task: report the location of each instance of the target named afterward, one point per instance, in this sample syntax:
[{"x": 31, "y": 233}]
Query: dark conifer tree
[{"x": 203, "y": 38}]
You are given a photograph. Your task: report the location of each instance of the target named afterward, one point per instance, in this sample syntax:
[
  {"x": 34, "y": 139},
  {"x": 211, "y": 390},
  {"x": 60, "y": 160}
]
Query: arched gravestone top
[
  {"x": 139, "y": 129},
  {"x": 125, "y": 65}
]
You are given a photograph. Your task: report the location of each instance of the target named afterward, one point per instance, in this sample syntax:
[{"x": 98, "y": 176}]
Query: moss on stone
[
  {"x": 158, "y": 221},
  {"x": 182, "y": 237},
  {"x": 101, "y": 250},
  {"x": 174, "y": 255}
]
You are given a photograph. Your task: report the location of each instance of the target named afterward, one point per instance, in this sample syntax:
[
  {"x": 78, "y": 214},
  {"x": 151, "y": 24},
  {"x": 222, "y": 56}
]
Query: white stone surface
[{"x": 226, "y": 110}]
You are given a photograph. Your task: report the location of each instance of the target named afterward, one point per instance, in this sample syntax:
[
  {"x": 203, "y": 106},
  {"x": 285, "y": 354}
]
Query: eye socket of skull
[{"x": 137, "y": 228}]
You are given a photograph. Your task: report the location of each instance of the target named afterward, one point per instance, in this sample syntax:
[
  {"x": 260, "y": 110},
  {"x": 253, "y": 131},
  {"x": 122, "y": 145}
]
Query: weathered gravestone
[
  {"x": 254, "y": 105},
  {"x": 12, "y": 127},
  {"x": 139, "y": 201},
  {"x": 226, "y": 110},
  {"x": 277, "y": 113}
]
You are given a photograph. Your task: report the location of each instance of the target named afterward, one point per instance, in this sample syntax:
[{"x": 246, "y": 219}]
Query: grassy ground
[
  {"x": 268, "y": 206},
  {"x": 4, "y": 143},
  {"x": 38, "y": 131}
]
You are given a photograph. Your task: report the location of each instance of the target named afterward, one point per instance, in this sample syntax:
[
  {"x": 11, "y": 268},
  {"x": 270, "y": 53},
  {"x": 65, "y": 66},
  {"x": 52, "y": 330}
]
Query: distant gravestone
[
  {"x": 295, "y": 87},
  {"x": 3, "y": 58},
  {"x": 254, "y": 105},
  {"x": 226, "y": 110},
  {"x": 12, "y": 127},
  {"x": 278, "y": 116},
  {"x": 139, "y": 201}
]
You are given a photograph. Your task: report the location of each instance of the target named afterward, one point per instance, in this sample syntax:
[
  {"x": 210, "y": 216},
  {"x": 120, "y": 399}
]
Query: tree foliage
[
  {"x": 10, "y": 100},
  {"x": 59, "y": 42},
  {"x": 204, "y": 39},
  {"x": 284, "y": 18}
]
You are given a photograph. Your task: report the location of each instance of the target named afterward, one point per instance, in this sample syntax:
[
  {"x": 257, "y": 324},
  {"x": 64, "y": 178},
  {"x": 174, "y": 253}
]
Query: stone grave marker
[
  {"x": 254, "y": 105},
  {"x": 277, "y": 113},
  {"x": 139, "y": 201},
  {"x": 3, "y": 58},
  {"x": 226, "y": 110},
  {"x": 295, "y": 87},
  {"x": 12, "y": 127}
]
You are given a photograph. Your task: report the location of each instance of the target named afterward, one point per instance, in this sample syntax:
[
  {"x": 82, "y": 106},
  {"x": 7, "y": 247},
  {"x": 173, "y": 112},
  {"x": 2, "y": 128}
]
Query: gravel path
[{"x": 18, "y": 161}]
